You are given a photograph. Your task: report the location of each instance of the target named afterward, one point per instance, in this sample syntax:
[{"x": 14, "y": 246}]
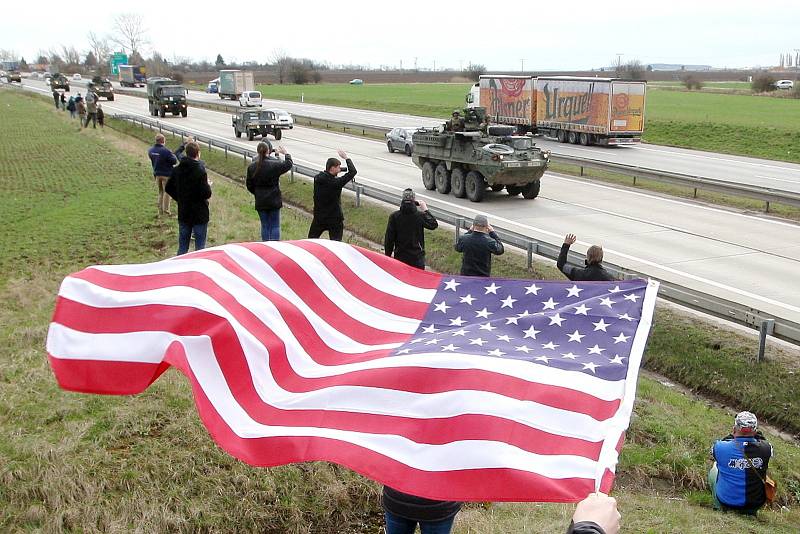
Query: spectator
[
  {"x": 403, "y": 512},
  {"x": 63, "y": 102},
  {"x": 405, "y": 232},
  {"x": 328, "y": 198},
  {"x": 81, "y": 111},
  {"x": 263, "y": 181},
  {"x": 91, "y": 110},
  {"x": 596, "y": 514},
  {"x": 101, "y": 116},
  {"x": 163, "y": 160},
  {"x": 190, "y": 188},
  {"x": 56, "y": 98},
  {"x": 594, "y": 270},
  {"x": 72, "y": 107},
  {"x": 739, "y": 473},
  {"x": 477, "y": 246}
]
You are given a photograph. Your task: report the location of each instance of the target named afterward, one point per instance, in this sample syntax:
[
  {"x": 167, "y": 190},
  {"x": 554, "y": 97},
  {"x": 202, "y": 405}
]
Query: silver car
[{"x": 400, "y": 139}]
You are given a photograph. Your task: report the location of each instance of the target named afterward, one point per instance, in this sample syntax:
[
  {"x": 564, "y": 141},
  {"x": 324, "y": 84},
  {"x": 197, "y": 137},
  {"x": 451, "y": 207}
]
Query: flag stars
[
  {"x": 582, "y": 309},
  {"x": 433, "y": 341},
  {"x": 576, "y": 336},
  {"x": 523, "y": 348},
  {"x": 595, "y": 350},
  {"x": 621, "y": 338},
  {"x": 531, "y": 332},
  {"x": 508, "y": 302},
  {"x": 477, "y": 341},
  {"x": 617, "y": 359},
  {"x": 403, "y": 351},
  {"x": 524, "y": 314},
  {"x": 549, "y": 304},
  {"x": 626, "y": 317},
  {"x": 487, "y": 326},
  {"x": 458, "y": 321},
  {"x": 449, "y": 348},
  {"x": 601, "y": 325},
  {"x": 615, "y": 290},
  {"x": 442, "y": 307},
  {"x": 460, "y": 332},
  {"x": 468, "y": 299},
  {"x": 556, "y": 319},
  {"x": 504, "y": 338},
  {"x": 512, "y": 320},
  {"x": 590, "y": 366},
  {"x": 451, "y": 284},
  {"x": 483, "y": 313},
  {"x": 492, "y": 288},
  {"x": 532, "y": 289},
  {"x": 549, "y": 345},
  {"x": 569, "y": 356},
  {"x": 430, "y": 329},
  {"x": 544, "y": 359},
  {"x": 574, "y": 291},
  {"x": 606, "y": 301},
  {"x": 417, "y": 340},
  {"x": 633, "y": 297},
  {"x": 496, "y": 352}
]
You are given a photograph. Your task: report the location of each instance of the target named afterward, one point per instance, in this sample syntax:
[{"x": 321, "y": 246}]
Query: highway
[
  {"x": 745, "y": 258},
  {"x": 736, "y": 169}
]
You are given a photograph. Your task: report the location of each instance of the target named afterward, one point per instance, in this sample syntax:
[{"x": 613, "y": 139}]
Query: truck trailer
[
  {"x": 232, "y": 83},
  {"x": 589, "y": 111},
  {"x": 132, "y": 76}
]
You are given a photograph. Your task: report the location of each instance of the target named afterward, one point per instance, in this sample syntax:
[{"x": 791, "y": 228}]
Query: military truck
[
  {"x": 478, "y": 156},
  {"x": 14, "y": 76},
  {"x": 256, "y": 122},
  {"x": 102, "y": 87},
  {"x": 166, "y": 95},
  {"x": 59, "y": 81}
]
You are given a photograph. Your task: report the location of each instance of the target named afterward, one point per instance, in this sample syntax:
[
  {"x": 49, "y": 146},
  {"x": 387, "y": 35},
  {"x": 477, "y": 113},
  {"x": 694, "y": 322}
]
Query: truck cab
[
  {"x": 166, "y": 96},
  {"x": 254, "y": 122},
  {"x": 473, "y": 98}
]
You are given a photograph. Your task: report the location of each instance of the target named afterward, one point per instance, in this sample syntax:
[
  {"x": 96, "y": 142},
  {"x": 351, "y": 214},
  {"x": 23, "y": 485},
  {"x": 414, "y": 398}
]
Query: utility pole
[
  {"x": 434, "y": 65},
  {"x": 461, "y": 65},
  {"x": 401, "y": 64},
  {"x": 415, "y": 62},
  {"x": 619, "y": 60},
  {"x": 522, "y": 65}
]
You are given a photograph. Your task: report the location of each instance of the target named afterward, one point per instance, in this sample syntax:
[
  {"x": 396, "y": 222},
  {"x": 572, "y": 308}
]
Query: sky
[{"x": 511, "y": 36}]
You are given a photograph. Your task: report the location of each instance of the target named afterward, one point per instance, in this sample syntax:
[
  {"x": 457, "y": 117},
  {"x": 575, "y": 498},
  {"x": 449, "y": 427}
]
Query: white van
[
  {"x": 784, "y": 84},
  {"x": 250, "y": 99}
]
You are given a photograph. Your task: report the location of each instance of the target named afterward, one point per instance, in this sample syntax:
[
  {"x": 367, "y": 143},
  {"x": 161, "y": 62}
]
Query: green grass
[
  {"x": 74, "y": 462},
  {"x": 734, "y": 124}
]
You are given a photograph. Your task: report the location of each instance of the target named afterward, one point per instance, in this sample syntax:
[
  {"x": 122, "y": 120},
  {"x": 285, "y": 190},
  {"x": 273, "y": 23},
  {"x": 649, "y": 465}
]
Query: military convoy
[
  {"x": 102, "y": 87},
  {"x": 478, "y": 156},
  {"x": 257, "y": 122},
  {"x": 166, "y": 96},
  {"x": 59, "y": 81}
]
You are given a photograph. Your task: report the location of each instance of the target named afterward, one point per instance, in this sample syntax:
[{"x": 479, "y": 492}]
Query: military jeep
[{"x": 253, "y": 122}]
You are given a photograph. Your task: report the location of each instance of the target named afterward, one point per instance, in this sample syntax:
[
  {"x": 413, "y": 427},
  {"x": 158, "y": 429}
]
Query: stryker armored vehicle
[
  {"x": 59, "y": 81},
  {"x": 102, "y": 87},
  {"x": 256, "y": 122},
  {"x": 467, "y": 156}
]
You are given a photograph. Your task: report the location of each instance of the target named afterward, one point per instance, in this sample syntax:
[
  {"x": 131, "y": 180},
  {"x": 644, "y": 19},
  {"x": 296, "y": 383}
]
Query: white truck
[{"x": 232, "y": 83}]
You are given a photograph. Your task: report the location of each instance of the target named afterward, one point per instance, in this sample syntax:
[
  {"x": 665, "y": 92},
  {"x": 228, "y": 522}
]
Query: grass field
[
  {"x": 72, "y": 462},
  {"x": 734, "y": 124}
]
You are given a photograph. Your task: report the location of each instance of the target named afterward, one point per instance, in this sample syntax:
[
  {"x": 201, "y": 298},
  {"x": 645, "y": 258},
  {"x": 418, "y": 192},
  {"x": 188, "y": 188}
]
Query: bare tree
[
  {"x": 8, "y": 55},
  {"x": 633, "y": 70},
  {"x": 70, "y": 55},
  {"x": 282, "y": 62},
  {"x": 130, "y": 32},
  {"x": 99, "y": 47}
]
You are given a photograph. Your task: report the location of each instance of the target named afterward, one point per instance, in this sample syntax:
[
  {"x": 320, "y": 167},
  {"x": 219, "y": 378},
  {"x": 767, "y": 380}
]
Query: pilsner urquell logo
[
  {"x": 512, "y": 87},
  {"x": 573, "y": 108}
]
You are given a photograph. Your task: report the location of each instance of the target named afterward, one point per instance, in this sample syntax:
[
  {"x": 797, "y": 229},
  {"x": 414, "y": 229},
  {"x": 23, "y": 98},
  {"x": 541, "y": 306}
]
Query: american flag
[{"x": 446, "y": 387}]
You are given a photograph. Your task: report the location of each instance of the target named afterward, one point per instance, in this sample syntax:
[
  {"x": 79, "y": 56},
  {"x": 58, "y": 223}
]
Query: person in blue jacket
[
  {"x": 162, "y": 160},
  {"x": 739, "y": 472}
]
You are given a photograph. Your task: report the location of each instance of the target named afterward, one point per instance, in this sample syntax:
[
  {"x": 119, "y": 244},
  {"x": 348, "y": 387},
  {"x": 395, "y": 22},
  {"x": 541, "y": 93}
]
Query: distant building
[{"x": 675, "y": 66}]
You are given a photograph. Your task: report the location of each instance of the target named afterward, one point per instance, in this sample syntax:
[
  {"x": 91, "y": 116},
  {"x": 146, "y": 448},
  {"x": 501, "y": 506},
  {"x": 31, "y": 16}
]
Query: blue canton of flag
[{"x": 586, "y": 326}]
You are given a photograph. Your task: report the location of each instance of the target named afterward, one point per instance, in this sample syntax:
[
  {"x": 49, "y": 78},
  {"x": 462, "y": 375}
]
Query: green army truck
[
  {"x": 166, "y": 96},
  {"x": 256, "y": 122},
  {"x": 59, "y": 81}
]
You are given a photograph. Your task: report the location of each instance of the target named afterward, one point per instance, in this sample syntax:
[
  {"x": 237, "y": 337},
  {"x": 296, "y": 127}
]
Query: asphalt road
[{"x": 745, "y": 258}]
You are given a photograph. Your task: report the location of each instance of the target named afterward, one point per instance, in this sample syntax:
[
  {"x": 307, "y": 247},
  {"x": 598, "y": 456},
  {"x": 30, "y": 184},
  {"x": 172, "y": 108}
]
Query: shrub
[
  {"x": 692, "y": 83},
  {"x": 762, "y": 83}
]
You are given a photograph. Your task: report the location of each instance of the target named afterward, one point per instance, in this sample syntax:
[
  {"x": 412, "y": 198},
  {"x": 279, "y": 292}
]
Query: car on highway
[
  {"x": 284, "y": 118},
  {"x": 250, "y": 99},
  {"x": 46, "y": 76},
  {"x": 356, "y": 81},
  {"x": 784, "y": 84},
  {"x": 401, "y": 139},
  {"x": 76, "y": 77},
  {"x": 213, "y": 86}
]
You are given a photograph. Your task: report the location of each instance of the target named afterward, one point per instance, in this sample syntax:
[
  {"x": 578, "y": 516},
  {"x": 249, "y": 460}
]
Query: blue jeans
[
  {"x": 400, "y": 525},
  {"x": 270, "y": 224},
  {"x": 185, "y": 232}
]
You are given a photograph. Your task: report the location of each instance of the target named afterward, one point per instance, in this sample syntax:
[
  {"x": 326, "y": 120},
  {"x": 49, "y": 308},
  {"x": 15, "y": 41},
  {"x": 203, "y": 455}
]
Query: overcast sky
[{"x": 552, "y": 35}]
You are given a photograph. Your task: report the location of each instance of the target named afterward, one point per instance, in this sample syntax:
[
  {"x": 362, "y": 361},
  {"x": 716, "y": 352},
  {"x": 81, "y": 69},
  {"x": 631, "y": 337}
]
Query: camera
[{"x": 416, "y": 202}]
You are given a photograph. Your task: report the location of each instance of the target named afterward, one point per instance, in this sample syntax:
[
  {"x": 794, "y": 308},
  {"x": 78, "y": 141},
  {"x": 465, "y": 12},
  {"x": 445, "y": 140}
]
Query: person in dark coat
[
  {"x": 594, "y": 270},
  {"x": 477, "y": 247},
  {"x": 57, "y": 98},
  {"x": 101, "y": 116},
  {"x": 163, "y": 160},
  {"x": 405, "y": 231},
  {"x": 190, "y": 188},
  {"x": 328, "y": 198},
  {"x": 63, "y": 102},
  {"x": 404, "y": 511},
  {"x": 72, "y": 107},
  {"x": 263, "y": 181}
]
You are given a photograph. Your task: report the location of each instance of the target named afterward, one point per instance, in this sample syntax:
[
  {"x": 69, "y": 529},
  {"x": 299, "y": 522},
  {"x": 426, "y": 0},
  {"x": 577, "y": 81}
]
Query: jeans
[
  {"x": 185, "y": 232},
  {"x": 90, "y": 117},
  {"x": 270, "y": 224},
  {"x": 400, "y": 525},
  {"x": 713, "y": 473}
]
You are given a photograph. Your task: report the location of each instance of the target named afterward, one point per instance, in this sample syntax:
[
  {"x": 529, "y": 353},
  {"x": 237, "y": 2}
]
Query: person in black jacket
[
  {"x": 263, "y": 180},
  {"x": 477, "y": 246},
  {"x": 404, "y": 511},
  {"x": 594, "y": 270},
  {"x": 328, "y": 198},
  {"x": 596, "y": 514},
  {"x": 190, "y": 188},
  {"x": 405, "y": 232}
]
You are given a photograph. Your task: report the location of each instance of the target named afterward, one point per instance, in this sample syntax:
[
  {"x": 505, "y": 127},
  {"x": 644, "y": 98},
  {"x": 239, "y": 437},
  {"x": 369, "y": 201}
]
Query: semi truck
[
  {"x": 232, "y": 83},
  {"x": 132, "y": 76},
  {"x": 589, "y": 111},
  {"x": 166, "y": 96}
]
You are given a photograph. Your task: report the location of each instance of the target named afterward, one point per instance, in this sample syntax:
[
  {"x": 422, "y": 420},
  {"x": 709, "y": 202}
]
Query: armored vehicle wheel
[
  {"x": 428, "y": 179},
  {"x": 561, "y": 136},
  {"x": 513, "y": 190},
  {"x": 458, "y": 182},
  {"x": 531, "y": 190},
  {"x": 111, "y": 98},
  {"x": 476, "y": 186},
  {"x": 497, "y": 187},
  {"x": 161, "y": 112},
  {"x": 278, "y": 135},
  {"x": 389, "y": 146},
  {"x": 442, "y": 178},
  {"x": 238, "y": 133},
  {"x": 573, "y": 138},
  {"x": 184, "y": 112},
  {"x": 585, "y": 139},
  {"x": 408, "y": 150},
  {"x": 250, "y": 135},
  {"x": 500, "y": 129}
]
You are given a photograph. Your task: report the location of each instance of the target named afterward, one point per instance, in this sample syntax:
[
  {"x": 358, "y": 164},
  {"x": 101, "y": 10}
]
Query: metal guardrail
[{"x": 719, "y": 307}]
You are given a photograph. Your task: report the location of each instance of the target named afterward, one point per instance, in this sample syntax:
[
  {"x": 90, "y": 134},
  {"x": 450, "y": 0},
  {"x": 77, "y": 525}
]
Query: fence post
[
  {"x": 459, "y": 222},
  {"x": 695, "y": 192},
  {"x": 226, "y": 151},
  {"x": 530, "y": 254},
  {"x": 766, "y": 207},
  {"x": 581, "y": 170},
  {"x": 634, "y": 180},
  {"x": 767, "y": 327},
  {"x": 291, "y": 174},
  {"x": 359, "y": 190}
]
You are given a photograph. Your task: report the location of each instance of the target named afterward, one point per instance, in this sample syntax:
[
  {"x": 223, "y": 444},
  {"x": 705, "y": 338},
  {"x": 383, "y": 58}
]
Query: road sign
[{"x": 117, "y": 59}]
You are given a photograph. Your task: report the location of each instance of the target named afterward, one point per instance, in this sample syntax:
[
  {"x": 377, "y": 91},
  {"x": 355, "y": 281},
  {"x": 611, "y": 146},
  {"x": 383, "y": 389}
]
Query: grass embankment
[
  {"x": 731, "y": 124},
  {"x": 82, "y": 462}
]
